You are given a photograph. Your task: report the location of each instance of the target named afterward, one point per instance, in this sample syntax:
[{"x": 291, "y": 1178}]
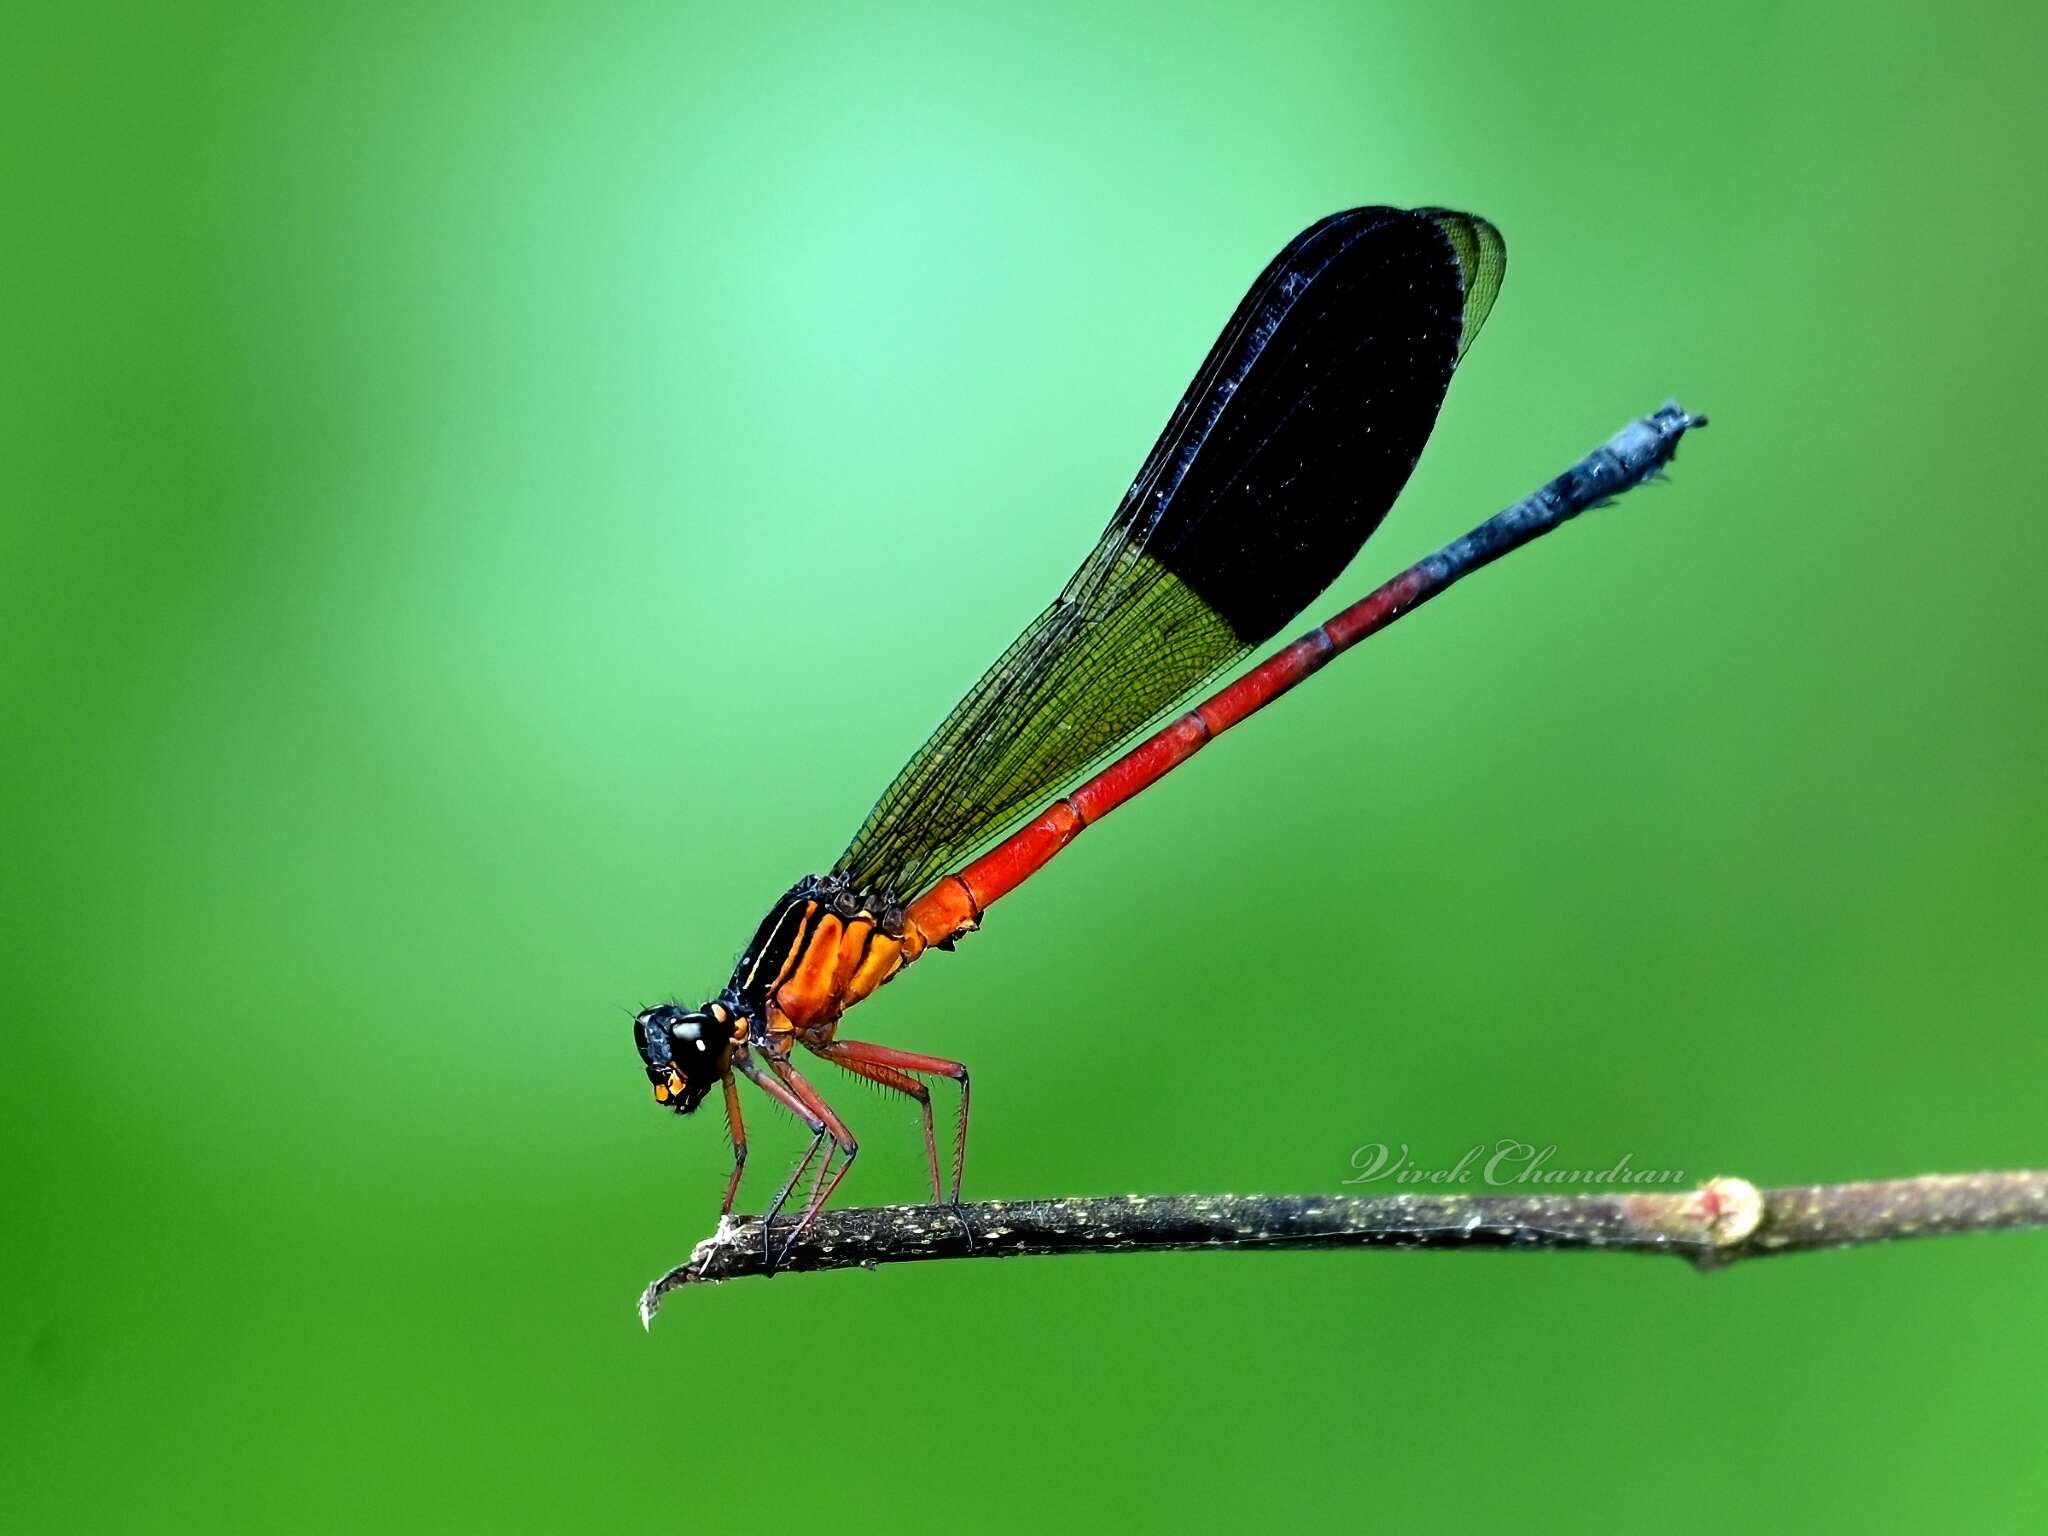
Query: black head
[{"x": 686, "y": 1051}]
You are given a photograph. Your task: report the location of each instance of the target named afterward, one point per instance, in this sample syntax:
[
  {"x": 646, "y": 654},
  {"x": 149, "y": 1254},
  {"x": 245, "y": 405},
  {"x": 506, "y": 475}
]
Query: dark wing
[{"x": 1280, "y": 460}]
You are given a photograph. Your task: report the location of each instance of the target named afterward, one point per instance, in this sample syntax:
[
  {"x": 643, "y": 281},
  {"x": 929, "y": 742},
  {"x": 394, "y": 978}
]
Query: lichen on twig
[{"x": 1721, "y": 1222}]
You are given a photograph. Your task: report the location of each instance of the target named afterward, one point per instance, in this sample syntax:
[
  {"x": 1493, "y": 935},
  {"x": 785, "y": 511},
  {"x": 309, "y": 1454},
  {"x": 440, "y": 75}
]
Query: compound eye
[{"x": 691, "y": 1033}]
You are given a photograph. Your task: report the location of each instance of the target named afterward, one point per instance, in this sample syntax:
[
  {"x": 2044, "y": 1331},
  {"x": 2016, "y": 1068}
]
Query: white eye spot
[{"x": 700, "y": 1045}]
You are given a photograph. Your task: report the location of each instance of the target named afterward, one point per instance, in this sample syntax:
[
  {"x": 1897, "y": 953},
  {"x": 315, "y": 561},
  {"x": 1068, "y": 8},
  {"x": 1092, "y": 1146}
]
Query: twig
[{"x": 1724, "y": 1220}]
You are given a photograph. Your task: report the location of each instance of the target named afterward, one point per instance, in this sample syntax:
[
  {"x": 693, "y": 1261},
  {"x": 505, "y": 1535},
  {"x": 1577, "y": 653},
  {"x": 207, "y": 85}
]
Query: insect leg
[
  {"x": 903, "y": 1083},
  {"x": 770, "y": 1085},
  {"x": 857, "y": 1054},
  {"x": 842, "y": 1141}
]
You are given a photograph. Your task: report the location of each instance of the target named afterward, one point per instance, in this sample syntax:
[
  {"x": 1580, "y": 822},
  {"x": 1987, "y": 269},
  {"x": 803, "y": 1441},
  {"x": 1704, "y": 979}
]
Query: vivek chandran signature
[{"x": 1507, "y": 1161}]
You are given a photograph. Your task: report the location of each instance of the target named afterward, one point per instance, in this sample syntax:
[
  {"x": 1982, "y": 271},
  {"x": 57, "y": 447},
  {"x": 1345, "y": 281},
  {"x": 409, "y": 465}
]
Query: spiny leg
[
  {"x": 824, "y": 1180},
  {"x": 736, "y": 1125},
  {"x": 842, "y": 1141},
  {"x": 904, "y": 1083},
  {"x": 796, "y": 1177},
  {"x": 869, "y": 1059},
  {"x": 769, "y": 1085},
  {"x": 861, "y": 1054}
]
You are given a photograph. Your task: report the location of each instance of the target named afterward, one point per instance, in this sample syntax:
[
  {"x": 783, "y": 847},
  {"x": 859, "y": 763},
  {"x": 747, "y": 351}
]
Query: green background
[{"x": 490, "y": 496}]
